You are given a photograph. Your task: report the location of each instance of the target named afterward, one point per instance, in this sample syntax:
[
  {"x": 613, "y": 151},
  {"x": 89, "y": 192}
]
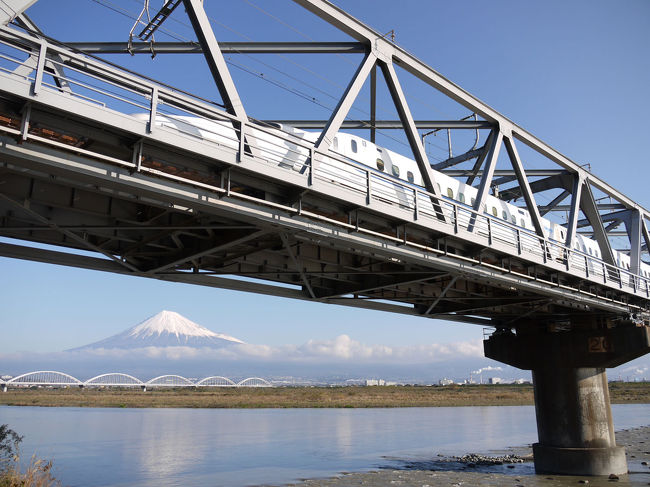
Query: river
[{"x": 240, "y": 447}]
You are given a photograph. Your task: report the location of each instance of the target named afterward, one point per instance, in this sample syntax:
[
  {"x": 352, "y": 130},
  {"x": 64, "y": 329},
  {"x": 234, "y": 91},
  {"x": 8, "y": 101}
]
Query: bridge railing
[{"x": 173, "y": 111}]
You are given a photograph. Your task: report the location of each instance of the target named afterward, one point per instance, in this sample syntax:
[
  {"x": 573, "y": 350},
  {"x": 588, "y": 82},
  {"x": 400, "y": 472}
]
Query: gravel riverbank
[{"x": 512, "y": 467}]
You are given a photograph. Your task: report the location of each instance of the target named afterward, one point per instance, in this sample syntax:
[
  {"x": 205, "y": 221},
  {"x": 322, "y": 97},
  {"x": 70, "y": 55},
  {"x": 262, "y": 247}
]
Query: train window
[
  {"x": 353, "y": 144},
  {"x": 590, "y": 252},
  {"x": 472, "y": 201},
  {"x": 494, "y": 211},
  {"x": 523, "y": 223},
  {"x": 409, "y": 176},
  {"x": 439, "y": 190},
  {"x": 461, "y": 197},
  {"x": 363, "y": 143},
  {"x": 504, "y": 215},
  {"x": 450, "y": 193},
  {"x": 380, "y": 164},
  {"x": 395, "y": 171},
  {"x": 514, "y": 219}
]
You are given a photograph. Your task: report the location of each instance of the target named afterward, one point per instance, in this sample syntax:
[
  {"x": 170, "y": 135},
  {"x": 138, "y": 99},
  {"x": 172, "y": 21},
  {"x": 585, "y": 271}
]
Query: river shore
[
  {"x": 456, "y": 472},
  {"x": 302, "y": 397}
]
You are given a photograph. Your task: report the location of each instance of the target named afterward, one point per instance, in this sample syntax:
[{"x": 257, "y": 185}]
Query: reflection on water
[{"x": 234, "y": 447}]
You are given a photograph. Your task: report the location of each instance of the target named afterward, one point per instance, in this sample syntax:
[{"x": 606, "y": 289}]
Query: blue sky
[{"x": 576, "y": 74}]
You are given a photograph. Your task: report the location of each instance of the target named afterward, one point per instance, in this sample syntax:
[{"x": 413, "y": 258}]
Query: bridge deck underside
[{"x": 190, "y": 218}]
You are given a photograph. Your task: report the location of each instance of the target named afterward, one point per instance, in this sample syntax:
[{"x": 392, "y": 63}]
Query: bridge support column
[
  {"x": 574, "y": 423},
  {"x": 574, "y": 417},
  {"x": 4, "y": 388}
]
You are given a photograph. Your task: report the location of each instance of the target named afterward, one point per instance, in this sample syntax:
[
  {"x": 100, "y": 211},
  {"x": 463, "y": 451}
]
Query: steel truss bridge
[
  {"x": 193, "y": 191},
  {"x": 141, "y": 195},
  {"x": 52, "y": 378}
]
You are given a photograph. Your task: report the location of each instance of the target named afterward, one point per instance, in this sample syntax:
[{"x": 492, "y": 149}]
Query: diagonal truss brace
[
  {"x": 10, "y": 9},
  {"x": 486, "y": 179},
  {"x": 296, "y": 263},
  {"x": 73, "y": 236},
  {"x": 415, "y": 142},
  {"x": 590, "y": 210},
  {"x": 572, "y": 224},
  {"x": 345, "y": 103},
  {"x": 215, "y": 59},
  {"x": 523, "y": 183},
  {"x": 55, "y": 66}
]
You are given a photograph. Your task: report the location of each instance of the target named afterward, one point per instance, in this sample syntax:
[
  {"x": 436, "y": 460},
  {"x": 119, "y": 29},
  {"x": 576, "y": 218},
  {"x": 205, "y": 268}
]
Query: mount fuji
[{"x": 165, "y": 329}]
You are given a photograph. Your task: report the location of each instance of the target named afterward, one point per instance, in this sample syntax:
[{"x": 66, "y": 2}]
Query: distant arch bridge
[{"x": 117, "y": 379}]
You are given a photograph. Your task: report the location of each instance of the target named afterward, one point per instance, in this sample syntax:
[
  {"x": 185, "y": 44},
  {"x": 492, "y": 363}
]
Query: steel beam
[
  {"x": 381, "y": 282},
  {"x": 345, "y": 103},
  {"x": 646, "y": 236},
  {"x": 471, "y": 175},
  {"x": 523, "y": 184},
  {"x": 634, "y": 230},
  {"x": 362, "y": 33},
  {"x": 590, "y": 210},
  {"x": 442, "y": 294},
  {"x": 215, "y": 59},
  {"x": 10, "y": 9},
  {"x": 458, "y": 159},
  {"x": 55, "y": 68},
  {"x": 387, "y": 124},
  {"x": 225, "y": 47},
  {"x": 409, "y": 127},
  {"x": 73, "y": 236},
  {"x": 558, "y": 199},
  {"x": 208, "y": 249},
  {"x": 572, "y": 224},
  {"x": 297, "y": 265},
  {"x": 486, "y": 179}
]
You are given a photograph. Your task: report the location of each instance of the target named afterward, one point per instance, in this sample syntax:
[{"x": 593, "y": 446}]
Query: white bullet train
[{"x": 276, "y": 149}]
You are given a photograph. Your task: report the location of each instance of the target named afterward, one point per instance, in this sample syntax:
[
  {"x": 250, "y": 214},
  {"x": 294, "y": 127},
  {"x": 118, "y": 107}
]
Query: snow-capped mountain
[{"x": 165, "y": 329}]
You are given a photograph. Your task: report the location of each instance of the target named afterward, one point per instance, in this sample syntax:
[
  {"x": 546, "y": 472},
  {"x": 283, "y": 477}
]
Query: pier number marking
[{"x": 599, "y": 345}]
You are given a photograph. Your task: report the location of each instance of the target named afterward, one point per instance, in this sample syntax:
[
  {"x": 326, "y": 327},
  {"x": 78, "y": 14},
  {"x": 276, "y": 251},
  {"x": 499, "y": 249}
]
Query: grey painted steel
[
  {"x": 273, "y": 217},
  {"x": 486, "y": 178},
  {"x": 590, "y": 210},
  {"x": 408, "y": 62},
  {"x": 31, "y": 64},
  {"x": 10, "y": 9},
  {"x": 572, "y": 224},
  {"x": 525, "y": 187},
  {"x": 356, "y": 241},
  {"x": 386, "y": 124},
  {"x": 458, "y": 159},
  {"x": 409, "y": 126},
  {"x": 226, "y": 47},
  {"x": 214, "y": 58},
  {"x": 326, "y": 137},
  {"x": 633, "y": 227}
]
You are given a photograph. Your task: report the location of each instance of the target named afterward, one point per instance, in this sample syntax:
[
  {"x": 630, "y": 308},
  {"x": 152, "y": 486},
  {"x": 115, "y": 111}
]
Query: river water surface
[{"x": 240, "y": 447}]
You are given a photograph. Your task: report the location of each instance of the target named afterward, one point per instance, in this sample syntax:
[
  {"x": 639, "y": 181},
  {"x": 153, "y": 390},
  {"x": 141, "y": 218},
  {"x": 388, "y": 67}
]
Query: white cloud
[{"x": 338, "y": 350}]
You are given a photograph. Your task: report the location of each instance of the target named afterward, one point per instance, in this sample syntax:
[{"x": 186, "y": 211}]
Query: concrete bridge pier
[
  {"x": 574, "y": 423},
  {"x": 574, "y": 417}
]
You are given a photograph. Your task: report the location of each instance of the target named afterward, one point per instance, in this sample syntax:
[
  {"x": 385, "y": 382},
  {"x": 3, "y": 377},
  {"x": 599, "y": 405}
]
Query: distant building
[
  {"x": 521, "y": 381},
  {"x": 375, "y": 382},
  {"x": 445, "y": 382},
  {"x": 494, "y": 380}
]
